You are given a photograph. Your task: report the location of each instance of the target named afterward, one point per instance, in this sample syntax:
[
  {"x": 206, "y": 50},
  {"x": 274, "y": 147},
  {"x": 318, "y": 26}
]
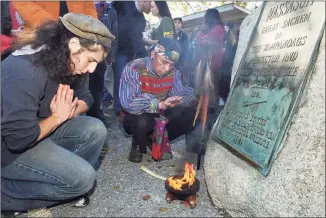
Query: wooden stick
[
  {"x": 143, "y": 168},
  {"x": 205, "y": 109},
  {"x": 198, "y": 109}
]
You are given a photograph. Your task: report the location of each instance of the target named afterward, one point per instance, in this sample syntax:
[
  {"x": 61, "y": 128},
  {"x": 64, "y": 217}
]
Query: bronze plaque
[{"x": 270, "y": 80}]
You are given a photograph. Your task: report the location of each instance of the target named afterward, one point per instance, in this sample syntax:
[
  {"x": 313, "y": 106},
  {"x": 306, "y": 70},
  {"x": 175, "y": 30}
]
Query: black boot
[{"x": 136, "y": 153}]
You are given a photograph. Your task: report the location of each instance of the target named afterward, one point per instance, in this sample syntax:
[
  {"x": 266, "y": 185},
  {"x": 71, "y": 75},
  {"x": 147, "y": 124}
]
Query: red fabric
[
  {"x": 151, "y": 80},
  {"x": 216, "y": 35},
  {"x": 5, "y": 42},
  {"x": 154, "y": 90},
  {"x": 15, "y": 24},
  {"x": 156, "y": 151},
  {"x": 155, "y": 86},
  {"x": 161, "y": 149}
]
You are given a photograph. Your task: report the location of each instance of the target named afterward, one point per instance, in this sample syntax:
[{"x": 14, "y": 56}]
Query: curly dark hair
[{"x": 55, "y": 57}]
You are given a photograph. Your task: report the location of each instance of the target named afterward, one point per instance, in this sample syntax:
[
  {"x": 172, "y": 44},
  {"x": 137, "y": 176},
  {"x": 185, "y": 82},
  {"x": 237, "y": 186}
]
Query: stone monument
[{"x": 266, "y": 155}]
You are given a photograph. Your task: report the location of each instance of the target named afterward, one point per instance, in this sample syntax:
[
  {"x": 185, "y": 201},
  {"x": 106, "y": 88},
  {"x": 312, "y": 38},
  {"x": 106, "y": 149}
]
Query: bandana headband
[{"x": 170, "y": 55}]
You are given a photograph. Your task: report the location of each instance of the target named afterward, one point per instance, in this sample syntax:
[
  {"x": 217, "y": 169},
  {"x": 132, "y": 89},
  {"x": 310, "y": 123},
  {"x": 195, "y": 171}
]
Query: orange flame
[{"x": 188, "y": 178}]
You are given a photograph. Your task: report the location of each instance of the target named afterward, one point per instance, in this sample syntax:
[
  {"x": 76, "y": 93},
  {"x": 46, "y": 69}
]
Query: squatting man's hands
[
  {"x": 62, "y": 105},
  {"x": 169, "y": 102}
]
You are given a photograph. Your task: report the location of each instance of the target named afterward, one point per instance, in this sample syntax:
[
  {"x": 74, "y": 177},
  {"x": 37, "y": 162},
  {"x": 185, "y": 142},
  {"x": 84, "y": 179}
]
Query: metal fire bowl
[{"x": 185, "y": 190}]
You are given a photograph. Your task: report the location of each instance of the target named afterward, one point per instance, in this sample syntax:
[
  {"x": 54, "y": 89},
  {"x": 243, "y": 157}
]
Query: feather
[{"x": 198, "y": 108}]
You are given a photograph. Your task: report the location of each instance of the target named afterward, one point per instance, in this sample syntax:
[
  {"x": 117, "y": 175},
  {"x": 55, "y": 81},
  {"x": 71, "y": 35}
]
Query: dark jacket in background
[
  {"x": 183, "y": 42},
  {"x": 6, "y": 22},
  {"x": 109, "y": 18},
  {"x": 6, "y": 26},
  {"x": 231, "y": 44},
  {"x": 131, "y": 24}
]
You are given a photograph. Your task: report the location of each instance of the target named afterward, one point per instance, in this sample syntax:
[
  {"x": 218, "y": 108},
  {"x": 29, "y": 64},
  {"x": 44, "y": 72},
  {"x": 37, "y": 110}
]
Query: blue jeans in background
[
  {"x": 107, "y": 96},
  {"x": 118, "y": 66},
  {"x": 60, "y": 167},
  {"x": 108, "y": 83}
]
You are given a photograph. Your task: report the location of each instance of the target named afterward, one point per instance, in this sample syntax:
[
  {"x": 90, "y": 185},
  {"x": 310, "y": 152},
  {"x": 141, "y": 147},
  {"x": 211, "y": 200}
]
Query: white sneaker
[
  {"x": 82, "y": 202},
  {"x": 110, "y": 107},
  {"x": 221, "y": 102}
]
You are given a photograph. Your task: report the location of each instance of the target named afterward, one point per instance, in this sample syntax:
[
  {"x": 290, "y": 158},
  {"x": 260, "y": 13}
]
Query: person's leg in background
[
  {"x": 107, "y": 101},
  {"x": 108, "y": 79},
  {"x": 224, "y": 87},
  {"x": 57, "y": 169},
  {"x": 217, "y": 80},
  {"x": 96, "y": 87},
  {"x": 118, "y": 66}
]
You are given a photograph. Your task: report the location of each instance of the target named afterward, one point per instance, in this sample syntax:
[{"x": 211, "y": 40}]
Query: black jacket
[
  {"x": 229, "y": 54},
  {"x": 5, "y": 18},
  {"x": 183, "y": 42},
  {"x": 26, "y": 93},
  {"x": 109, "y": 18},
  {"x": 131, "y": 24},
  {"x": 6, "y": 24}
]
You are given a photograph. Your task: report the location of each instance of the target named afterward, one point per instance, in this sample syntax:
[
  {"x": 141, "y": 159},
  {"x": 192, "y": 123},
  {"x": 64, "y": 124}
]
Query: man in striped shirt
[{"x": 151, "y": 87}]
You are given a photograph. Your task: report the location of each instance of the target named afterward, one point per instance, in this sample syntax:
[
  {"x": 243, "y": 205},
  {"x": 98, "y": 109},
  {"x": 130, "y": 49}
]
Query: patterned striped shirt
[{"x": 134, "y": 101}]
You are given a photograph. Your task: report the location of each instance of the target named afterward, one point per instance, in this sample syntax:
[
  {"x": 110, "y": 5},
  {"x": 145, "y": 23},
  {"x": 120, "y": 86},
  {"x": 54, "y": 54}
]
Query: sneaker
[
  {"x": 106, "y": 106},
  {"x": 81, "y": 202},
  {"x": 110, "y": 107},
  {"x": 221, "y": 102},
  {"x": 105, "y": 120},
  {"x": 10, "y": 214},
  {"x": 117, "y": 113}
]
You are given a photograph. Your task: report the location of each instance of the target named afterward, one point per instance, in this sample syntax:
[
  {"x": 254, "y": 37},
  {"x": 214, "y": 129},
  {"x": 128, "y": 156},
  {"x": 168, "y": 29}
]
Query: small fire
[{"x": 188, "y": 178}]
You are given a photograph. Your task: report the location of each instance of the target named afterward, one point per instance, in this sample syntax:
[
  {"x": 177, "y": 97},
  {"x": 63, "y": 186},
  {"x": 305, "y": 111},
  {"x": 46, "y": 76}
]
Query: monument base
[{"x": 295, "y": 185}]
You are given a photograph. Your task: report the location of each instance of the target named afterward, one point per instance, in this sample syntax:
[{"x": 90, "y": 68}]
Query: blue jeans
[
  {"x": 60, "y": 167},
  {"x": 108, "y": 83},
  {"x": 107, "y": 96},
  {"x": 118, "y": 66}
]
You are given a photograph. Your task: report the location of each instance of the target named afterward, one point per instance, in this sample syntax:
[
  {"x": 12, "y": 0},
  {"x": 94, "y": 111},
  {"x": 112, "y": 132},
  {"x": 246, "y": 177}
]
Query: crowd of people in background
[
  {"x": 62, "y": 59},
  {"x": 104, "y": 83}
]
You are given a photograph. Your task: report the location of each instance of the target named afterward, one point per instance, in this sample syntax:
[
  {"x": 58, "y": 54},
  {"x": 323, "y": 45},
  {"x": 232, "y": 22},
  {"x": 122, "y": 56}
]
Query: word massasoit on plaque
[{"x": 270, "y": 79}]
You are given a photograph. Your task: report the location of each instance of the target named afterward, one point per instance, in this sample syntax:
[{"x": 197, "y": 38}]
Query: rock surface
[
  {"x": 246, "y": 29},
  {"x": 296, "y": 183}
]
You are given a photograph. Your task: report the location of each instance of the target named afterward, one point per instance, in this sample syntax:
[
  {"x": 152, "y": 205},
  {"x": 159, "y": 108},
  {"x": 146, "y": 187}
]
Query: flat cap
[{"x": 88, "y": 27}]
